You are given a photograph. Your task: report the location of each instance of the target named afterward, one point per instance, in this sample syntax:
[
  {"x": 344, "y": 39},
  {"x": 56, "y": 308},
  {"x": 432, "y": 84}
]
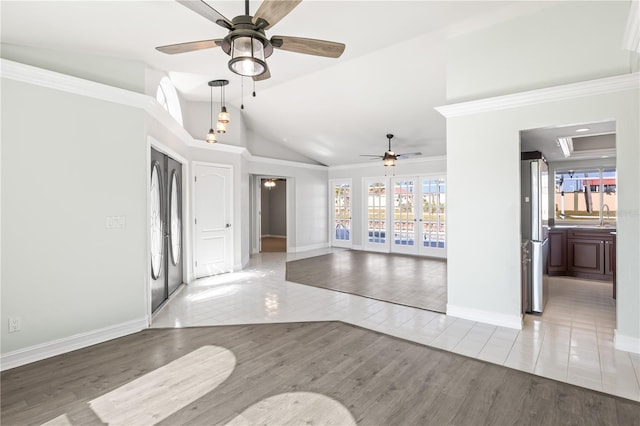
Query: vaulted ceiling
[{"x": 389, "y": 79}]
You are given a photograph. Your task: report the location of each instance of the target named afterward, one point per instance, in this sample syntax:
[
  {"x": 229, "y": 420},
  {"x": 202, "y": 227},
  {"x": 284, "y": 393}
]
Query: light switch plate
[{"x": 115, "y": 222}]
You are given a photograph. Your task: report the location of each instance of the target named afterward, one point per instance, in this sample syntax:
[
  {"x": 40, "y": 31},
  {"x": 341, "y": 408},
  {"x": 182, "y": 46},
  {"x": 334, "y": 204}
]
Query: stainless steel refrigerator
[{"x": 534, "y": 176}]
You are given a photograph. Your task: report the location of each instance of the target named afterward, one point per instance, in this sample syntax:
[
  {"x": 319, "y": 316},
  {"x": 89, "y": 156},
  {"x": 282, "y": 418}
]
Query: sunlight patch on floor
[{"x": 295, "y": 408}]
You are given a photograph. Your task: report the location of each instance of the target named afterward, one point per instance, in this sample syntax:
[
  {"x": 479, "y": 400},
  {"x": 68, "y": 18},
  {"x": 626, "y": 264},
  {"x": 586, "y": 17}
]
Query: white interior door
[{"x": 213, "y": 213}]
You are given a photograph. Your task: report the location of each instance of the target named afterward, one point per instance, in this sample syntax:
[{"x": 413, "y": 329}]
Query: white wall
[
  {"x": 68, "y": 162},
  {"x": 484, "y": 253},
  {"x": 357, "y": 172},
  {"x": 567, "y": 42}
]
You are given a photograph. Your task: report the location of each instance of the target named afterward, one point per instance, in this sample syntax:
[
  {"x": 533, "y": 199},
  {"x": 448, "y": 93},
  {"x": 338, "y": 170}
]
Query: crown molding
[
  {"x": 550, "y": 94},
  {"x": 29, "y": 74},
  {"x": 66, "y": 83}
]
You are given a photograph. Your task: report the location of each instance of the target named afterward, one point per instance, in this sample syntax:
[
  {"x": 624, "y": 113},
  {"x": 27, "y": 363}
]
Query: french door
[
  {"x": 166, "y": 227},
  {"x": 419, "y": 216},
  {"x": 376, "y": 215},
  {"x": 406, "y": 215},
  {"x": 341, "y": 235}
]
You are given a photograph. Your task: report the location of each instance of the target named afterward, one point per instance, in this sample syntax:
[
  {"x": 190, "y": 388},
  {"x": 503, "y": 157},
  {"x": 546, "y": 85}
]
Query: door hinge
[
  {"x": 196, "y": 263},
  {"x": 196, "y": 220},
  {"x": 195, "y": 178}
]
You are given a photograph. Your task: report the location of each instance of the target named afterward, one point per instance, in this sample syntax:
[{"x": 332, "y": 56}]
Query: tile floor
[{"x": 572, "y": 342}]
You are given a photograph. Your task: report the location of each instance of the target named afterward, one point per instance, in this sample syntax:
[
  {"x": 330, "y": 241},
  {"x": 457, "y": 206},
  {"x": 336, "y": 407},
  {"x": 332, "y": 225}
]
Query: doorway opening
[
  {"x": 273, "y": 214},
  {"x": 582, "y": 198}
]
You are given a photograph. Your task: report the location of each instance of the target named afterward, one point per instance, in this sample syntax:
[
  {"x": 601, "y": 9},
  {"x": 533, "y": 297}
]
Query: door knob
[{"x": 228, "y": 225}]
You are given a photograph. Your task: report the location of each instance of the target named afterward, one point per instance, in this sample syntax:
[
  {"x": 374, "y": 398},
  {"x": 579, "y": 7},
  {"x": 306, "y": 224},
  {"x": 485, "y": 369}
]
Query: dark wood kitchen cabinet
[
  {"x": 557, "y": 252},
  {"x": 590, "y": 253}
]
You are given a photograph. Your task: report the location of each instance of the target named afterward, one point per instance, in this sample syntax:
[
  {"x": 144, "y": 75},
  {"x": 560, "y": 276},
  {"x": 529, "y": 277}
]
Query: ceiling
[
  {"x": 329, "y": 110},
  {"x": 588, "y": 141}
]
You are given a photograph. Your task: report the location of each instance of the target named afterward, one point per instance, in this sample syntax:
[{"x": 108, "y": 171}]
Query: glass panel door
[
  {"x": 433, "y": 217},
  {"x": 376, "y": 224},
  {"x": 404, "y": 216},
  {"x": 341, "y": 213}
]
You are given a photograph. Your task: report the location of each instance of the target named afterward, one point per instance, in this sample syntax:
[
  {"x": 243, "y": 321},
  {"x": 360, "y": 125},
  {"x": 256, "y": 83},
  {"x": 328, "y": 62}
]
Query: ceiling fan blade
[
  {"x": 203, "y": 9},
  {"x": 190, "y": 46},
  {"x": 264, "y": 76},
  {"x": 409, "y": 154},
  {"x": 310, "y": 46},
  {"x": 370, "y": 155},
  {"x": 273, "y": 11}
]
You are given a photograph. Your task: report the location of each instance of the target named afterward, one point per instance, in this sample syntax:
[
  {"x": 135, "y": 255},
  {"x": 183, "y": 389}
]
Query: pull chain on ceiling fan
[
  {"x": 389, "y": 158},
  {"x": 246, "y": 42}
]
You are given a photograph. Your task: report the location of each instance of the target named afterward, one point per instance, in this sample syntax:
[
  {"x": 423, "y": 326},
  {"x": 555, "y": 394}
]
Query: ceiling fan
[
  {"x": 246, "y": 41},
  {"x": 389, "y": 158}
]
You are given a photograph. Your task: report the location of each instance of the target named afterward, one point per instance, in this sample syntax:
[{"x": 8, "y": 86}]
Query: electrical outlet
[{"x": 14, "y": 324}]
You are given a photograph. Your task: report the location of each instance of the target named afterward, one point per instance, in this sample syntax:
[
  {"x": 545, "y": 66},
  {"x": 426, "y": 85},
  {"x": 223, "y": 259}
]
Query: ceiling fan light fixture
[
  {"x": 270, "y": 183},
  {"x": 247, "y": 56},
  {"x": 389, "y": 159}
]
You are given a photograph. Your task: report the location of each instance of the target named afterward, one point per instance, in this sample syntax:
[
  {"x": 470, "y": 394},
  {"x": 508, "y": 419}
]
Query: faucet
[{"x": 602, "y": 222}]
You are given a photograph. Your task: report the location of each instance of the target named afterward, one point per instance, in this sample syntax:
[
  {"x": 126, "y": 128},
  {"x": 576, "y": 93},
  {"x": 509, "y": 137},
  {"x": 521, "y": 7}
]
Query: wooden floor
[
  {"x": 406, "y": 280},
  {"x": 296, "y": 373},
  {"x": 273, "y": 244}
]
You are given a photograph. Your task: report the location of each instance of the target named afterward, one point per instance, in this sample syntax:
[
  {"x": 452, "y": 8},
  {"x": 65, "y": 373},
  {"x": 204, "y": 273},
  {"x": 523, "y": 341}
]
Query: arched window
[{"x": 167, "y": 96}]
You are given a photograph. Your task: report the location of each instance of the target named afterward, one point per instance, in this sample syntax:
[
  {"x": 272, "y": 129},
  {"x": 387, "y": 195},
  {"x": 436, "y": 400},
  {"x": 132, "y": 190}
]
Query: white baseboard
[
  {"x": 307, "y": 248},
  {"x": 626, "y": 343},
  {"x": 67, "y": 344},
  {"x": 488, "y": 317}
]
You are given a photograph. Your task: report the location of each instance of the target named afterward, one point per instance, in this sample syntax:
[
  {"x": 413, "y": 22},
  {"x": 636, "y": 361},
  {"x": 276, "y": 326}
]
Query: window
[
  {"x": 588, "y": 195},
  {"x": 167, "y": 97}
]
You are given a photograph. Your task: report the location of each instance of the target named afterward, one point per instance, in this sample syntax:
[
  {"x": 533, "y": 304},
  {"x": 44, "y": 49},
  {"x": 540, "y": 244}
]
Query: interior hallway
[{"x": 572, "y": 342}]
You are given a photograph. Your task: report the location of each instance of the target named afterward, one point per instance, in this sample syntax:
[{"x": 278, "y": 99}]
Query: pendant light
[
  {"x": 223, "y": 117},
  {"x": 211, "y": 136}
]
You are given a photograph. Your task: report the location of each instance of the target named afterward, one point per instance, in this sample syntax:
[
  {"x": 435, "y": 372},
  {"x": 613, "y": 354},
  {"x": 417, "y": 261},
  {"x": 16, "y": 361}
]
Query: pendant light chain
[{"x": 241, "y": 92}]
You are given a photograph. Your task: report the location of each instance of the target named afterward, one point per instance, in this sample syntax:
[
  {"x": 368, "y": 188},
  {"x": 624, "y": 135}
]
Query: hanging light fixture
[
  {"x": 223, "y": 117},
  {"x": 211, "y": 136},
  {"x": 247, "y": 45},
  {"x": 389, "y": 159}
]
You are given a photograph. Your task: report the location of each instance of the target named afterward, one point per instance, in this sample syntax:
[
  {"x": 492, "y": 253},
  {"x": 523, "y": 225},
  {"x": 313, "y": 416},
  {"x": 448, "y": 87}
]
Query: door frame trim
[{"x": 187, "y": 254}]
